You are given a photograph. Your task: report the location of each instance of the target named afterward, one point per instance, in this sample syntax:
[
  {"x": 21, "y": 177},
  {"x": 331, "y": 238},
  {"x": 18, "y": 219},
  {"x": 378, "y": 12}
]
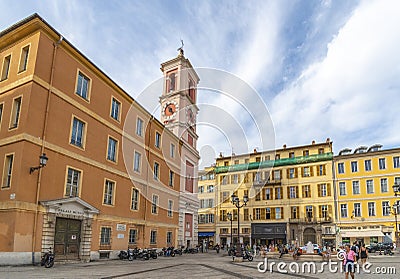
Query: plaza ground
[{"x": 202, "y": 265}]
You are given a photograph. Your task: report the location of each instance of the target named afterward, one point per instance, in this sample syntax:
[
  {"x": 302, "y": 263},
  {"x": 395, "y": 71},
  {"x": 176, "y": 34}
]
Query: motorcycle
[
  {"x": 47, "y": 259},
  {"x": 388, "y": 251},
  {"x": 141, "y": 254},
  {"x": 128, "y": 254},
  {"x": 247, "y": 256},
  {"x": 153, "y": 253},
  {"x": 178, "y": 251}
]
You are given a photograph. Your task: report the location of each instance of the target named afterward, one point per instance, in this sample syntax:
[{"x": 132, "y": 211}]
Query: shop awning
[
  {"x": 362, "y": 233},
  {"x": 206, "y": 233}
]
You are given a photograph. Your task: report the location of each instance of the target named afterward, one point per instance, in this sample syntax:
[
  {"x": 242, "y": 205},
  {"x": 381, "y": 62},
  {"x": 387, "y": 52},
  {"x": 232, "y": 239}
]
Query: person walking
[
  {"x": 363, "y": 254},
  {"x": 349, "y": 261}
]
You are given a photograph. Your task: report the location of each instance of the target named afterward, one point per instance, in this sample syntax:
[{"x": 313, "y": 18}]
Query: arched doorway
[{"x": 309, "y": 235}]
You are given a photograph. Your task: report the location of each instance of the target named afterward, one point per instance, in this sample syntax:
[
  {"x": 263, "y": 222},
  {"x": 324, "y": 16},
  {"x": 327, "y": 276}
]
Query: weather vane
[{"x": 181, "y": 48}]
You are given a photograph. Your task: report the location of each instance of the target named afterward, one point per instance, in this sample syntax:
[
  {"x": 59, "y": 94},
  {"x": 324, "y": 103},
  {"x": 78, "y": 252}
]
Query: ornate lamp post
[
  {"x": 230, "y": 218},
  {"x": 236, "y": 202}
]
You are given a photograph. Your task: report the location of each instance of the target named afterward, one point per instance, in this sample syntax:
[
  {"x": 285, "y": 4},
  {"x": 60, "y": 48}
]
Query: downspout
[
  {"x": 147, "y": 145},
  {"x": 38, "y": 185}
]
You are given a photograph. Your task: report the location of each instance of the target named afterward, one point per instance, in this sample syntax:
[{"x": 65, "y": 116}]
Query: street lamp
[
  {"x": 230, "y": 218},
  {"x": 42, "y": 163},
  {"x": 396, "y": 190},
  {"x": 236, "y": 202},
  {"x": 395, "y": 212}
]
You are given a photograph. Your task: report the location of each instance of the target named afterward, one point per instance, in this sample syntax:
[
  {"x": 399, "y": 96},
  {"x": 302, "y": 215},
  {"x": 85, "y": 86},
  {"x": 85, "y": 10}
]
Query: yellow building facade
[
  {"x": 207, "y": 210},
  {"x": 291, "y": 197},
  {"x": 364, "y": 180}
]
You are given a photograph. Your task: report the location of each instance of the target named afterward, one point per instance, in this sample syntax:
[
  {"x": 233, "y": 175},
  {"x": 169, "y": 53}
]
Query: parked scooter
[
  {"x": 153, "y": 253},
  {"x": 47, "y": 259},
  {"x": 247, "y": 256},
  {"x": 388, "y": 251},
  {"x": 128, "y": 254}
]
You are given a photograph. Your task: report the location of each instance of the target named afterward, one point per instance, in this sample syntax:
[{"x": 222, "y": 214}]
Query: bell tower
[
  {"x": 178, "y": 99},
  {"x": 178, "y": 114}
]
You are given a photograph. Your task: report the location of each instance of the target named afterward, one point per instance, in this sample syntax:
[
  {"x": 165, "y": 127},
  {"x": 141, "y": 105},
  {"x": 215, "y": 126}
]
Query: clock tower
[
  {"x": 178, "y": 114},
  {"x": 178, "y": 99}
]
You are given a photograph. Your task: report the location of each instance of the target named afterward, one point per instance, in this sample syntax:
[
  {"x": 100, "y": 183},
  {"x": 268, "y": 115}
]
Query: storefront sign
[{"x": 121, "y": 227}]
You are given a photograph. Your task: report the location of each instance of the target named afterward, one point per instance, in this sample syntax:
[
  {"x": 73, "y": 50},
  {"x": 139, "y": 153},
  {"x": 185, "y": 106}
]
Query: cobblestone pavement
[{"x": 207, "y": 265}]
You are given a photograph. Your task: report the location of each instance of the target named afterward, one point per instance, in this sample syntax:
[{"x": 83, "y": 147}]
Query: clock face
[{"x": 170, "y": 109}]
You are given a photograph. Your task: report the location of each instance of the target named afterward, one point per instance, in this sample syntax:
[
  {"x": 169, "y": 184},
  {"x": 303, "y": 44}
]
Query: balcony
[{"x": 310, "y": 220}]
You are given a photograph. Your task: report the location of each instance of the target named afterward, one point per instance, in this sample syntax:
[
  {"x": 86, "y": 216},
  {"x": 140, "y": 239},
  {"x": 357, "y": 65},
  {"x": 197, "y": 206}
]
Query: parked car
[{"x": 375, "y": 247}]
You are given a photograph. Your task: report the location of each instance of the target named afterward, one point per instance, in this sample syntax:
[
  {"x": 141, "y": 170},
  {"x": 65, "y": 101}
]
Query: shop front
[
  {"x": 207, "y": 238},
  {"x": 268, "y": 233}
]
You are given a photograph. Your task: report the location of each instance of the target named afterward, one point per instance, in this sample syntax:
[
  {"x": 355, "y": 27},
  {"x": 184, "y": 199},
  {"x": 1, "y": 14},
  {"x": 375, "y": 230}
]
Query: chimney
[
  {"x": 313, "y": 142},
  {"x": 328, "y": 140},
  {"x": 220, "y": 154},
  {"x": 284, "y": 146},
  {"x": 255, "y": 150}
]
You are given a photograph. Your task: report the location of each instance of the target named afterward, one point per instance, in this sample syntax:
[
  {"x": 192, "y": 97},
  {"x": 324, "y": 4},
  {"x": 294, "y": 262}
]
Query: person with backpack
[{"x": 356, "y": 250}]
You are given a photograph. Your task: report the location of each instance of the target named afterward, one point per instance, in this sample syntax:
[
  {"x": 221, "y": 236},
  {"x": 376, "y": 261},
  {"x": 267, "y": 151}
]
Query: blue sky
[{"x": 323, "y": 68}]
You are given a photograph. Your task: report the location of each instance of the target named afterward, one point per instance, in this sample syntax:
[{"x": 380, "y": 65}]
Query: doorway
[{"x": 67, "y": 239}]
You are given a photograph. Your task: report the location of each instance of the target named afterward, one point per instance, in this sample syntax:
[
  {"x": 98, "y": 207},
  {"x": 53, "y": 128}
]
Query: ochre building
[{"x": 113, "y": 178}]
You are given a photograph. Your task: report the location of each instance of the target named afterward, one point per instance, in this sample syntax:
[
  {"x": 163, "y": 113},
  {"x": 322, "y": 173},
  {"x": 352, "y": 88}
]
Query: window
[
  {"x": 108, "y": 192},
  {"x": 258, "y": 159},
  {"x": 169, "y": 237},
  {"x": 321, "y": 151},
  {"x": 278, "y": 193},
  {"x": 6, "y": 67},
  {"x": 224, "y": 179},
  {"x": 258, "y": 196},
  {"x": 137, "y": 161},
  {"x": 382, "y": 163},
  {"x": 236, "y": 162},
  {"x": 257, "y": 215},
  {"x": 268, "y": 194},
  {"x": 321, "y": 170},
  {"x": 170, "y": 208},
  {"x": 306, "y": 191},
  {"x": 171, "y": 178},
  {"x": 291, "y": 154},
  {"x": 23, "y": 62},
  {"x": 82, "y": 87},
  {"x": 306, "y": 153},
  {"x": 306, "y": 171},
  {"x": 171, "y": 82},
  {"x": 384, "y": 185},
  {"x": 309, "y": 212},
  {"x": 15, "y": 113},
  {"x": 354, "y": 166},
  {"x": 135, "y": 199},
  {"x": 222, "y": 215},
  {"x": 202, "y": 203},
  {"x": 132, "y": 236},
  {"x": 77, "y": 134},
  {"x": 370, "y": 186},
  {"x": 356, "y": 187},
  {"x": 340, "y": 167},
  {"x": 292, "y": 173},
  {"x": 385, "y": 208},
  {"x": 139, "y": 127},
  {"x": 210, "y": 203},
  {"x": 277, "y": 175},
  {"x": 367, "y": 165},
  {"x": 277, "y": 156},
  {"x": 343, "y": 210},
  {"x": 7, "y": 173},
  {"x": 323, "y": 190},
  {"x": 156, "y": 171},
  {"x": 154, "y": 204},
  {"x": 158, "y": 140},
  {"x": 257, "y": 177},
  {"x": 324, "y": 211},
  {"x": 278, "y": 213},
  {"x": 292, "y": 192},
  {"x": 235, "y": 179},
  {"x": 112, "y": 149},
  {"x": 73, "y": 182},
  {"x": 210, "y": 189},
  {"x": 396, "y": 162},
  {"x": 294, "y": 211},
  {"x": 246, "y": 214},
  {"x": 105, "y": 236},
  {"x": 371, "y": 209},
  {"x": 172, "y": 150},
  {"x": 342, "y": 188},
  {"x": 201, "y": 189},
  {"x": 115, "y": 109},
  {"x": 153, "y": 237},
  {"x": 357, "y": 210}
]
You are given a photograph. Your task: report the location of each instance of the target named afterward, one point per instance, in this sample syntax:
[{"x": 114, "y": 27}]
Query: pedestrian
[
  {"x": 349, "y": 260},
  {"x": 363, "y": 254},
  {"x": 394, "y": 246}
]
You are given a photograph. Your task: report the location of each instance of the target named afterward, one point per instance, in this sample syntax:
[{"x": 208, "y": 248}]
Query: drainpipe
[
  {"x": 147, "y": 144},
  {"x": 38, "y": 185}
]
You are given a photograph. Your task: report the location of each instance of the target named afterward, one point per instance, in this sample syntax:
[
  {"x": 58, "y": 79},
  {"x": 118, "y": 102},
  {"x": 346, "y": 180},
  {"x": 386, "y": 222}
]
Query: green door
[{"x": 67, "y": 239}]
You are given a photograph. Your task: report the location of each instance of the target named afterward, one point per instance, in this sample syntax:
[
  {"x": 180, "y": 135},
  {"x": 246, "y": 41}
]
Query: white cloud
[{"x": 352, "y": 94}]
